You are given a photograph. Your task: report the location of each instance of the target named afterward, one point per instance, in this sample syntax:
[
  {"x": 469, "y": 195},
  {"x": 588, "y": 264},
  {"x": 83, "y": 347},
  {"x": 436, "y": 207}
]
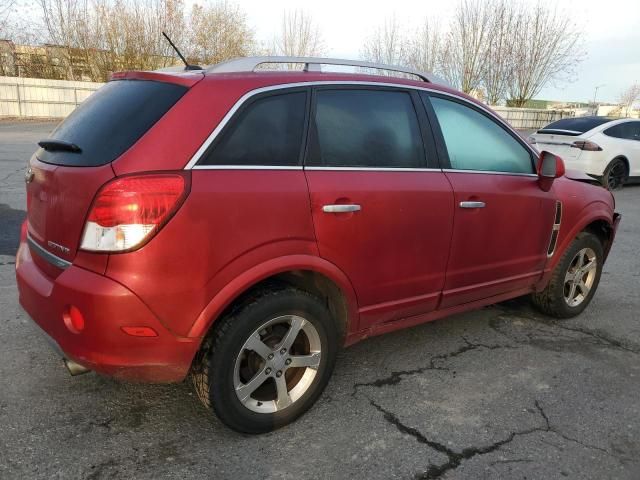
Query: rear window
[
  {"x": 574, "y": 126},
  {"x": 111, "y": 120}
]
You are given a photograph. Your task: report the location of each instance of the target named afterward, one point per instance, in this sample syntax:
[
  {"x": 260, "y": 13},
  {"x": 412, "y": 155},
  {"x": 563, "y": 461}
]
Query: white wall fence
[
  {"x": 39, "y": 98},
  {"x": 530, "y": 118}
]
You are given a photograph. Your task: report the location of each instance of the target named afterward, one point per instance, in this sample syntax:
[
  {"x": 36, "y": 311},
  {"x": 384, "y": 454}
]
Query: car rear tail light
[
  {"x": 586, "y": 145},
  {"x": 128, "y": 211}
]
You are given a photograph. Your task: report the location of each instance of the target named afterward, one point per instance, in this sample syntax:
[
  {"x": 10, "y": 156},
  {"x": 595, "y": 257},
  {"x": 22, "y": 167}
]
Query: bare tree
[
  {"x": 111, "y": 35},
  {"x": 218, "y": 32},
  {"x": 463, "y": 58},
  {"x": 299, "y": 36},
  {"x": 422, "y": 50},
  {"x": 386, "y": 44},
  {"x": 547, "y": 46},
  {"x": 5, "y": 10},
  {"x": 628, "y": 98},
  {"x": 499, "y": 62}
]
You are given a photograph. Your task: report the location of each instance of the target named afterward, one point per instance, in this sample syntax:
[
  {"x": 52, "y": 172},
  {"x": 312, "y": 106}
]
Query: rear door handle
[
  {"x": 471, "y": 204},
  {"x": 341, "y": 208}
]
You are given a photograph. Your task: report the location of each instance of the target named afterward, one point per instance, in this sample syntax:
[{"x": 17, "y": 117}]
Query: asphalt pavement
[{"x": 503, "y": 392}]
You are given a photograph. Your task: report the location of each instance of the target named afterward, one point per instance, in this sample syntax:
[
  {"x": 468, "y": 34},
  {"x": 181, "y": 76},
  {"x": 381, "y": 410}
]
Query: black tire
[
  {"x": 615, "y": 175},
  {"x": 551, "y": 300},
  {"x": 213, "y": 372}
]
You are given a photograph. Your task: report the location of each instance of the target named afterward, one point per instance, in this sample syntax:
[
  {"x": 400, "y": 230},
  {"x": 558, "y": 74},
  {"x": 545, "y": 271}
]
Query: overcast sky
[{"x": 612, "y": 34}]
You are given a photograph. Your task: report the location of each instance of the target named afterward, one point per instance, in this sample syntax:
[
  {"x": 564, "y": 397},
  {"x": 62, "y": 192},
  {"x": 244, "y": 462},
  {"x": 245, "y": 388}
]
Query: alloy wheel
[
  {"x": 277, "y": 364},
  {"x": 616, "y": 175},
  {"x": 580, "y": 277}
]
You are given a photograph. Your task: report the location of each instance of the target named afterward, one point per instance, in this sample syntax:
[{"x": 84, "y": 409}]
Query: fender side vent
[{"x": 555, "y": 230}]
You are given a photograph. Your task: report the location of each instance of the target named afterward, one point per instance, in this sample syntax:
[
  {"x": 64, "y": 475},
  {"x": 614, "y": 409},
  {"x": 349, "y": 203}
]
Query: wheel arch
[
  {"x": 618, "y": 157},
  {"x": 309, "y": 273},
  {"x": 595, "y": 218}
]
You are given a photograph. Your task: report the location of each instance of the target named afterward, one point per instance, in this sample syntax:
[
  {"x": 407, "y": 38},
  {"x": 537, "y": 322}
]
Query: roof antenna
[{"x": 186, "y": 64}]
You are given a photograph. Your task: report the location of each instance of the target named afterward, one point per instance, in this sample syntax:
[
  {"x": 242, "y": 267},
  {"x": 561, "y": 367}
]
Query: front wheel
[
  {"x": 267, "y": 362},
  {"x": 574, "y": 280}
]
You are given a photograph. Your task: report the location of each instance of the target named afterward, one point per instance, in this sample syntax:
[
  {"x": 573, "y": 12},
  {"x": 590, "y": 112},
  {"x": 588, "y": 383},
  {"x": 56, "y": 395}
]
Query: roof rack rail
[{"x": 313, "y": 64}]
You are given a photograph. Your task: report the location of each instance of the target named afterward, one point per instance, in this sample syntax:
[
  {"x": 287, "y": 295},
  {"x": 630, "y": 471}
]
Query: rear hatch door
[{"x": 75, "y": 161}]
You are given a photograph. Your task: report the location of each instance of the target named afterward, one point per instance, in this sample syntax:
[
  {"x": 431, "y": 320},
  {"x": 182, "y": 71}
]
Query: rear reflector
[
  {"x": 139, "y": 331},
  {"x": 128, "y": 211},
  {"x": 73, "y": 319}
]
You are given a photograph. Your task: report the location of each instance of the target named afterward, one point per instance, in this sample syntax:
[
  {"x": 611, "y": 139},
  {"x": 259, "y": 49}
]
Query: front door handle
[
  {"x": 341, "y": 208},
  {"x": 471, "y": 204}
]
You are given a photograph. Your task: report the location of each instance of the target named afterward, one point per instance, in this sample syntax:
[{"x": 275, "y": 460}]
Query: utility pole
[{"x": 595, "y": 93}]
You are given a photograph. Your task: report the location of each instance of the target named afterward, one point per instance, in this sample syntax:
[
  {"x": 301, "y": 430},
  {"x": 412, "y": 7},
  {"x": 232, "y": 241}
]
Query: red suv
[{"x": 242, "y": 226}]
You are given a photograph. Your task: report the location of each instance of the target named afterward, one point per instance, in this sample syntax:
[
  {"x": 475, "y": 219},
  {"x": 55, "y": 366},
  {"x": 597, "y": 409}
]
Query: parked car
[
  {"x": 608, "y": 149},
  {"x": 243, "y": 226}
]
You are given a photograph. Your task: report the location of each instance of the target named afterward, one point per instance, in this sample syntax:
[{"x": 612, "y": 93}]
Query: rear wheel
[
  {"x": 267, "y": 362},
  {"x": 615, "y": 175},
  {"x": 574, "y": 280}
]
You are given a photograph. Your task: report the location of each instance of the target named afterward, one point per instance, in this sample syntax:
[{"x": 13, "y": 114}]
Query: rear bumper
[{"x": 106, "y": 306}]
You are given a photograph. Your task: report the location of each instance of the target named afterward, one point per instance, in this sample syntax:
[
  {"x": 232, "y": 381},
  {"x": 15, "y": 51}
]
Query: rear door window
[
  {"x": 266, "y": 132},
  {"x": 110, "y": 121},
  {"x": 476, "y": 142},
  {"x": 366, "y": 128}
]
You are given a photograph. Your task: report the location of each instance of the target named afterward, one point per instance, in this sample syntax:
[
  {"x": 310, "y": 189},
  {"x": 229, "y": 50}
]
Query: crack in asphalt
[
  {"x": 2, "y": 264},
  {"x": 455, "y": 458},
  {"x": 397, "y": 376},
  {"x": 600, "y": 337},
  {"x": 11, "y": 174}
]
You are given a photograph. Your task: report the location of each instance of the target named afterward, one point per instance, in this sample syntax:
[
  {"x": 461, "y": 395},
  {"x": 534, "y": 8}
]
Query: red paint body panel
[
  {"x": 287, "y": 263},
  {"x": 583, "y": 204},
  {"x": 394, "y": 249},
  {"x": 106, "y": 306},
  {"x": 187, "y": 79},
  {"x": 502, "y": 246},
  {"x": 231, "y": 221},
  {"x": 409, "y": 256},
  {"x": 58, "y": 201}
]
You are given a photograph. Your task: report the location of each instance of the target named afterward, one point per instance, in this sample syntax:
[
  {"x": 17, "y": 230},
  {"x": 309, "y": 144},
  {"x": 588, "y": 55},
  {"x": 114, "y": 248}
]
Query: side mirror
[{"x": 550, "y": 167}]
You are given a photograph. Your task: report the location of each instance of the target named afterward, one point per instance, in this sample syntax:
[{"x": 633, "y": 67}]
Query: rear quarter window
[
  {"x": 111, "y": 120},
  {"x": 266, "y": 132}
]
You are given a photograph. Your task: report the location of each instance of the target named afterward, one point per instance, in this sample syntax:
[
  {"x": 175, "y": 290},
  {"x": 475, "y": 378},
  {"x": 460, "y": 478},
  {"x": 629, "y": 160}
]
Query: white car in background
[{"x": 607, "y": 149}]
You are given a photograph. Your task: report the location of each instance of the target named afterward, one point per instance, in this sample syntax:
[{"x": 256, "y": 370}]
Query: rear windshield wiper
[{"x": 51, "y": 145}]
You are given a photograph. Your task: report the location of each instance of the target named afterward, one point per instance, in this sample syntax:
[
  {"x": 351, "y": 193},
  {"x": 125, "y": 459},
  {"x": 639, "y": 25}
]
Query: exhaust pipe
[{"x": 74, "y": 368}]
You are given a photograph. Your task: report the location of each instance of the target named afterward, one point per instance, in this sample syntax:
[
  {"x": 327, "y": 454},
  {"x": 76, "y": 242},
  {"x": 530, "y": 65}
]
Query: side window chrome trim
[
  {"x": 490, "y": 172},
  {"x": 246, "y": 167},
  {"x": 212, "y": 136},
  {"x": 374, "y": 169}
]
